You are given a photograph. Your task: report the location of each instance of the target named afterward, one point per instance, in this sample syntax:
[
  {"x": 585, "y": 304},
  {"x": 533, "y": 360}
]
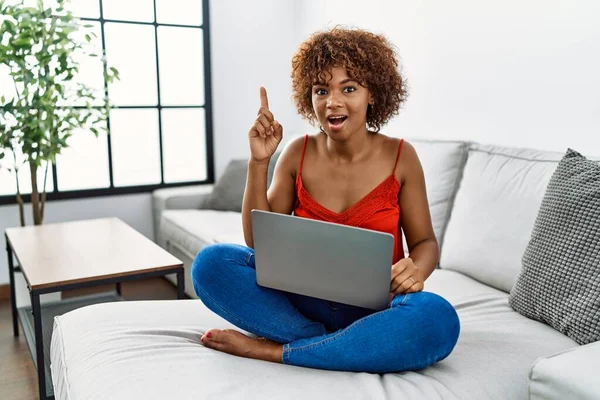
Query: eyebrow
[{"x": 341, "y": 82}]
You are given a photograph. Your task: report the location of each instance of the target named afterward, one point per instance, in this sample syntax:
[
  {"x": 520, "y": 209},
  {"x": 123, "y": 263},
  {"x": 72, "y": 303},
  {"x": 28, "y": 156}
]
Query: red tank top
[{"x": 378, "y": 210}]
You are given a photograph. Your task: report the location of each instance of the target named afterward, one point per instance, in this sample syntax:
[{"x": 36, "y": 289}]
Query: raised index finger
[{"x": 264, "y": 101}]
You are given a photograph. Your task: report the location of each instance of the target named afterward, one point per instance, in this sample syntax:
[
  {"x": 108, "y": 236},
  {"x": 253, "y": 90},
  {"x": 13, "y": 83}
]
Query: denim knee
[
  {"x": 441, "y": 325},
  {"x": 206, "y": 266},
  {"x": 449, "y": 323}
]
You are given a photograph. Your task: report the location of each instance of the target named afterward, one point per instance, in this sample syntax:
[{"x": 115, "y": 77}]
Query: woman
[{"x": 349, "y": 82}]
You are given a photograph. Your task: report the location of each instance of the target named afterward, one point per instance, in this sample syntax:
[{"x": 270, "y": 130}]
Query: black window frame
[{"x": 55, "y": 194}]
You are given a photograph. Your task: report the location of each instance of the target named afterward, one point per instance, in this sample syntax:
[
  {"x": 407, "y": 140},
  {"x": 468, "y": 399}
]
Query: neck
[{"x": 353, "y": 148}]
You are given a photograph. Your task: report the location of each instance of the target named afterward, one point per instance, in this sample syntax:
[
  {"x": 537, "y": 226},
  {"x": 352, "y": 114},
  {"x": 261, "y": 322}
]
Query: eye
[
  {"x": 349, "y": 89},
  {"x": 320, "y": 92}
]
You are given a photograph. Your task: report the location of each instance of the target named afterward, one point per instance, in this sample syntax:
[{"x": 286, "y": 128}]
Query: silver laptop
[{"x": 324, "y": 260}]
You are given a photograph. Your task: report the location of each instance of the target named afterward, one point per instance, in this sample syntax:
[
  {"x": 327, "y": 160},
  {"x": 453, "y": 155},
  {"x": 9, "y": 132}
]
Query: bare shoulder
[
  {"x": 290, "y": 156},
  {"x": 408, "y": 156},
  {"x": 408, "y": 163}
]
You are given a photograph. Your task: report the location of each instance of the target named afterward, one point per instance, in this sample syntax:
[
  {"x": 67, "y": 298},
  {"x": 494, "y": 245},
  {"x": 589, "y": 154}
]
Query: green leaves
[
  {"x": 8, "y": 27},
  {"x": 114, "y": 74},
  {"x": 38, "y": 45}
]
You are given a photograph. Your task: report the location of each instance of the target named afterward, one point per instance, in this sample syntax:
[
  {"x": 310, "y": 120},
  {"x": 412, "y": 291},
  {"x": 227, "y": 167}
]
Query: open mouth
[{"x": 337, "y": 121}]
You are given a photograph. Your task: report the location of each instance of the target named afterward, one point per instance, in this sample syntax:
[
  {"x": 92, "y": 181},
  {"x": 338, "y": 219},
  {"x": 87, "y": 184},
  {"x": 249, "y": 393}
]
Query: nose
[{"x": 333, "y": 100}]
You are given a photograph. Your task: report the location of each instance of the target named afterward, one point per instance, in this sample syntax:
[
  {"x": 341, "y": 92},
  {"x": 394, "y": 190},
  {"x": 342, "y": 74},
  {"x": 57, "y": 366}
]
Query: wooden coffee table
[{"x": 73, "y": 255}]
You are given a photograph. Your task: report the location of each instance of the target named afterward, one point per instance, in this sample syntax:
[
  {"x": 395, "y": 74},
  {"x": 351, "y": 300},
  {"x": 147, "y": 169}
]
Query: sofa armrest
[
  {"x": 569, "y": 374},
  {"x": 177, "y": 198}
]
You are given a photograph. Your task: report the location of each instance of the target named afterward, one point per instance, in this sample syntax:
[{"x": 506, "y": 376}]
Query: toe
[{"x": 209, "y": 336}]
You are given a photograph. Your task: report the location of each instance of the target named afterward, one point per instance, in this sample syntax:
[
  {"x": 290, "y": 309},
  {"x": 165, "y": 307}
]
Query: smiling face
[{"x": 340, "y": 104}]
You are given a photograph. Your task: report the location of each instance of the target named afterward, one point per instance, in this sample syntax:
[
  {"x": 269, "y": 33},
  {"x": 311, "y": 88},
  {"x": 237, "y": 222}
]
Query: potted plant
[{"x": 38, "y": 45}]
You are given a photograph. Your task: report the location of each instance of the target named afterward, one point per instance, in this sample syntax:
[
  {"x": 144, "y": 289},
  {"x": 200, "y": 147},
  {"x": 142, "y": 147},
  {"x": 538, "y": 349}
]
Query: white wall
[
  {"x": 252, "y": 44},
  {"x": 517, "y": 73}
]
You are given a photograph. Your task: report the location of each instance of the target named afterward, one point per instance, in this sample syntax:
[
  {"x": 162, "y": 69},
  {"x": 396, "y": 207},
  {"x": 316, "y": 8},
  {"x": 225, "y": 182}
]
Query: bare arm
[
  {"x": 281, "y": 195},
  {"x": 265, "y": 136},
  {"x": 255, "y": 196},
  {"x": 416, "y": 218},
  {"x": 409, "y": 274}
]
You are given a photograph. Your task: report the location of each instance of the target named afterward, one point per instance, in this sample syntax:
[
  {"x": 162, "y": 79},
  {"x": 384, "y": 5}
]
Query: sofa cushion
[
  {"x": 569, "y": 374},
  {"x": 494, "y": 210},
  {"x": 560, "y": 280},
  {"x": 191, "y": 230},
  {"x": 442, "y": 163},
  {"x": 176, "y": 198},
  {"x": 228, "y": 192},
  {"x": 152, "y": 350}
]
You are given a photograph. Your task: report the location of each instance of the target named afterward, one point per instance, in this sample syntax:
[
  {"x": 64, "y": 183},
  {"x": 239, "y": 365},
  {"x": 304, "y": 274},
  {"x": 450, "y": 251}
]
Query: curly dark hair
[{"x": 368, "y": 58}]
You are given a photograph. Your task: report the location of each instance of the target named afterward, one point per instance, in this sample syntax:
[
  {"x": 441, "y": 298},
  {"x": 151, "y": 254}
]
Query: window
[{"x": 160, "y": 133}]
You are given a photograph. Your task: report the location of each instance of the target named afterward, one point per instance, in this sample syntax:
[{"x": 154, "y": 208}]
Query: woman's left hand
[{"x": 406, "y": 277}]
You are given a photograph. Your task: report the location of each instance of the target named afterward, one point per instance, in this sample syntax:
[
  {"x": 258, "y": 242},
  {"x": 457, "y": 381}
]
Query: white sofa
[{"x": 483, "y": 199}]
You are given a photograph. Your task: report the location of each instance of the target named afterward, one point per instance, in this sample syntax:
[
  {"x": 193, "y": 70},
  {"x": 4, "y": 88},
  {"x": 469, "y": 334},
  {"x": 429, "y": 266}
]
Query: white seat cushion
[
  {"x": 152, "y": 350},
  {"x": 191, "y": 230},
  {"x": 570, "y": 374}
]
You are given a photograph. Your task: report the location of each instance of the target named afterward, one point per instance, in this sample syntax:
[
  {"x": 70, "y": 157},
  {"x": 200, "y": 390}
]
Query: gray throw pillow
[
  {"x": 228, "y": 191},
  {"x": 560, "y": 280}
]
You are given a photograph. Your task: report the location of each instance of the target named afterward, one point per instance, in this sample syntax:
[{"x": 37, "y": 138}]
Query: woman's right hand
[{"x": 266, "y": 133}]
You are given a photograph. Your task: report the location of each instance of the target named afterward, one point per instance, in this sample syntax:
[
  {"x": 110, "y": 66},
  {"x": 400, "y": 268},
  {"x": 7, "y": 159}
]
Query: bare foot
[{"x": 236, "y": 343}]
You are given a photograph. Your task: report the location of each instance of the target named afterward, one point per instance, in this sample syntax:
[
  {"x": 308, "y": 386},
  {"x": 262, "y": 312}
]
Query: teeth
[{"x": 339, "y": 117}]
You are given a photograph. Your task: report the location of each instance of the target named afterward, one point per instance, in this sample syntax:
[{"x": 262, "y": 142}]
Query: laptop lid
[{"x": 321, "y": 259}]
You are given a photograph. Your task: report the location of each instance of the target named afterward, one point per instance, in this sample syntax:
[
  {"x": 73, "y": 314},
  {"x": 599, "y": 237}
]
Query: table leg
[
  {"x": 13, "y": 297},
  {"x": 39, "y": 344},
  {"x": 180, "y": 285}
]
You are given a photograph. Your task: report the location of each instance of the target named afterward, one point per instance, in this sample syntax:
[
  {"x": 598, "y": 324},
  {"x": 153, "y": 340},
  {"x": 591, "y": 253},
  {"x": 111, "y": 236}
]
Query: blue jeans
[{"x": 417, "y": 330}]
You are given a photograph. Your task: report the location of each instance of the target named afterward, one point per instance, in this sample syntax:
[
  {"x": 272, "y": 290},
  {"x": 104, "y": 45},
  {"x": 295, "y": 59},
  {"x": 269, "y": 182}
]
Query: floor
[{"x": 18, "y": 376}]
